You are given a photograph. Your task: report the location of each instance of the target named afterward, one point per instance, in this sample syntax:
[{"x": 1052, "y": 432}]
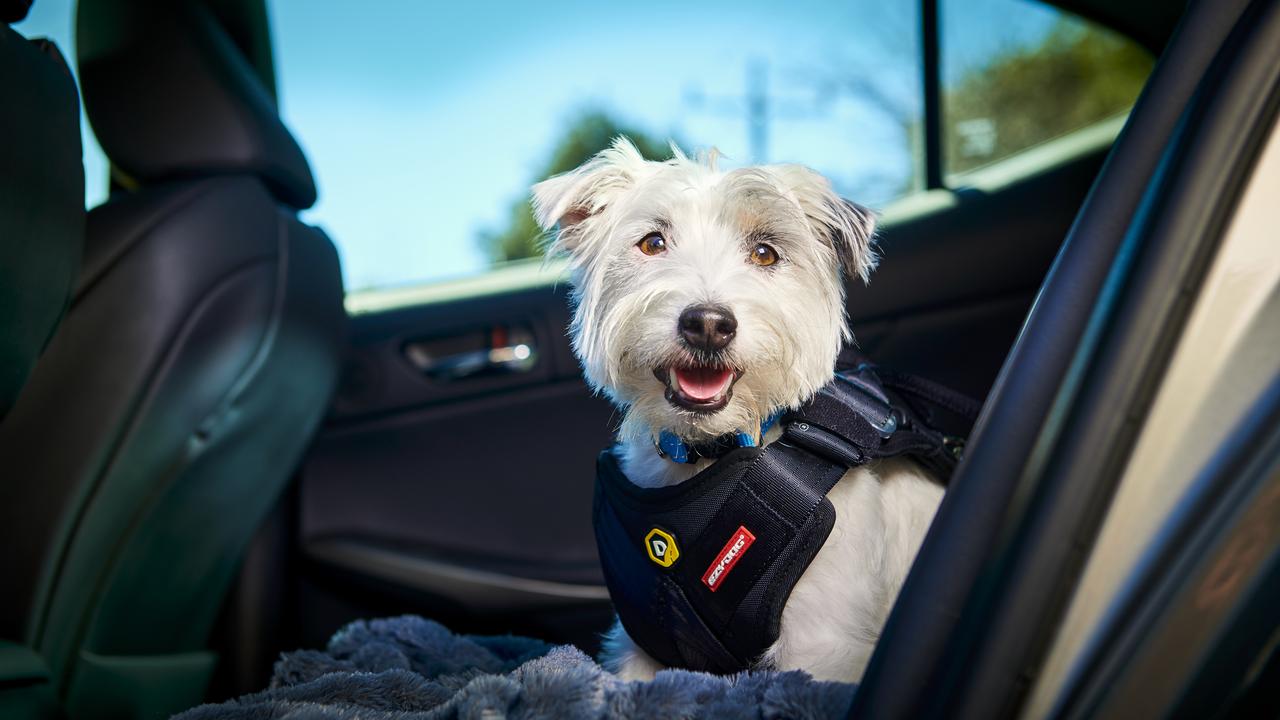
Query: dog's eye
[
  {"x": 653, "y": 244},
  {"x": 763, "y": 255}
]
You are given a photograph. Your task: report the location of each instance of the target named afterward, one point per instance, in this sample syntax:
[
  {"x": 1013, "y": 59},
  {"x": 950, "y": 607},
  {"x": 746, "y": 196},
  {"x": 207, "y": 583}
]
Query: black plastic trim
[
  {"x": 478, "y": 589},
  {"x": 1197, "y": 619},
  {"x": 940, "y": 653},
  {"x": 932, "y": 85},
  {"x": 1069, "y": 479}
]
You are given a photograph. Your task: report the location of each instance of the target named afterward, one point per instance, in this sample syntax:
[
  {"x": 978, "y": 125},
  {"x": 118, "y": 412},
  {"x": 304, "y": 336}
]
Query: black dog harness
[{"x": 699, "y": 572}]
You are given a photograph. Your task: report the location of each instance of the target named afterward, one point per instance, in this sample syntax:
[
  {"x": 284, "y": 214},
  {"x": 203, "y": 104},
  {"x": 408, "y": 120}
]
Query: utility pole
[
  {"x": 757, "y": 107},
  {"x": 758, "y": 110}
]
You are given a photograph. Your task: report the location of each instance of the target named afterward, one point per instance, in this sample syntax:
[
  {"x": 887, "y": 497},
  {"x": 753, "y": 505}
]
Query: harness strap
[
  {"x": 862, "y": 417},
  {"x": 778, "y": 497},
  {"x": 699, "y": 572},
  {"x": 929, "y": 391}
]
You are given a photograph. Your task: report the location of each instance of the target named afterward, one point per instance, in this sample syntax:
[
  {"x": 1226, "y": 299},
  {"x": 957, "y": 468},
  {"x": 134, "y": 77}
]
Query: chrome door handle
[{"x": 517, "y": 356}]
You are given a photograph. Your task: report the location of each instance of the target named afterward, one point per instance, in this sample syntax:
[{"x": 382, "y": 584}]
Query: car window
[
  {"x": 56, "y": 21},
  {"x": 426, "y": 123},
  {"x": 1016, "y": 74}
]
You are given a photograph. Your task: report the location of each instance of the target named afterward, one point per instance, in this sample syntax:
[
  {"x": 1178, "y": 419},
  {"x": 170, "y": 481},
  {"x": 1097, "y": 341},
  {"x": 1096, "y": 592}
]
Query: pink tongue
[{"x": 703, "y": 383}]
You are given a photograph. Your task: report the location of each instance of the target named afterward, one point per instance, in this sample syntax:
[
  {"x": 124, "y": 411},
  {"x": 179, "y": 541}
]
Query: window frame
[
  {"x": 931, "y": 85},
  {"x": 924, "y": 199}
]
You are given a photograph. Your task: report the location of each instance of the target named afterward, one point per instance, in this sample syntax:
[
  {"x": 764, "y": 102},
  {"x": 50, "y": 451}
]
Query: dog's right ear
[{"x": 569, "y": 199}]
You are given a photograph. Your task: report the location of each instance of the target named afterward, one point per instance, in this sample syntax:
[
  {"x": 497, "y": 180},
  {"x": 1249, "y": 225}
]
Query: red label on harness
[{"x": 729, "y": 556}]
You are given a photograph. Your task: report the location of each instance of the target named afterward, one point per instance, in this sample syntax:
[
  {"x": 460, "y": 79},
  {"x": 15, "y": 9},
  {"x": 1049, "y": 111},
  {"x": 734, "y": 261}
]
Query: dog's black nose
[{"x": 707, "y": 327}]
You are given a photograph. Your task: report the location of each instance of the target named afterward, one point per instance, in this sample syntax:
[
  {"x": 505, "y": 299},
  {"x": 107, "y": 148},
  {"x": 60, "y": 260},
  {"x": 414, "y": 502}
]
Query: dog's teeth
[{"x": 673, "y": 382}]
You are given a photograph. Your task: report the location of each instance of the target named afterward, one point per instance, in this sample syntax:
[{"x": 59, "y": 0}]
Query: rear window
[{"x": 1016, "y": 74}]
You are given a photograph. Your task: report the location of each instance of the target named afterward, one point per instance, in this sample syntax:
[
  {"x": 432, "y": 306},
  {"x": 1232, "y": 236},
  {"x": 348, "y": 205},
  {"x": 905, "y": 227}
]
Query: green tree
[
  {"x": 591, "y": 132},
  {"x": 1077, "y": 75}
]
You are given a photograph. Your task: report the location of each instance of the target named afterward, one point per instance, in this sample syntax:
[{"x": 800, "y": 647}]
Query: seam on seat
[
  {"x": 250, "y": 372},
  {"x": 133, "y": 418},
  {"x": 183, "y": 199}
]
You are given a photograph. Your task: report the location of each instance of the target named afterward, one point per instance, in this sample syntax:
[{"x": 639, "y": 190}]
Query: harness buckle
[{"x": 887, "y": 427}]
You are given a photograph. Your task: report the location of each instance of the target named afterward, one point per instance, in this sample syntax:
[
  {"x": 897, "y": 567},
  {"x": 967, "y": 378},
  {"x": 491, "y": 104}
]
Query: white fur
[{"x": 791, "y": 324}]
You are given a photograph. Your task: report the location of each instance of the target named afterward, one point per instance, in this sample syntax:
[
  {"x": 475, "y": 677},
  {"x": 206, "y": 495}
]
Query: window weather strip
[{"x": 932, "y": 85}]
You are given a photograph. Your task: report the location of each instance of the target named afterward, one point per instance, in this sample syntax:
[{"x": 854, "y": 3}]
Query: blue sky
[
  {"x": 54, "y": 19},
  {"x": 424, "y": 120}
]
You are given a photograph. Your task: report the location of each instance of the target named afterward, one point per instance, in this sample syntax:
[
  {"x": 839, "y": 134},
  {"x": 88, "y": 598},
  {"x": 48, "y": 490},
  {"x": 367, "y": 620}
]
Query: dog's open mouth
[{"x": 699, "y": 388}]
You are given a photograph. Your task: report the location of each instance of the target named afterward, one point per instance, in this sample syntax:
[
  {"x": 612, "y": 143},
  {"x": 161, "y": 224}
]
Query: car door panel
[
  {"x": 381, "y": 376},
  {"x": 470, "y": 499},
  {"x": 501, "y": 482}
]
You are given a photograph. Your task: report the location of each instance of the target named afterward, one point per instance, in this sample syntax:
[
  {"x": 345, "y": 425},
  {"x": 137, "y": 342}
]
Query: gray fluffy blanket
[{"x": 408, "y": 668}]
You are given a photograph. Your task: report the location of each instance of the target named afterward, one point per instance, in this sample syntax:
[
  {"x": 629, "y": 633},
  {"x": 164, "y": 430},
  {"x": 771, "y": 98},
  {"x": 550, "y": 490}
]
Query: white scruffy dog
[{"x": 706, "y": 300}]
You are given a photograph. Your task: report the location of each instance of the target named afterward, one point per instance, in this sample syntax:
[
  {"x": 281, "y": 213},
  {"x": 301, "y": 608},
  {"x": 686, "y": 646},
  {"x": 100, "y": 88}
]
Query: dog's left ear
[
  {"x": 570, "y": 198},
  {"x": 848, "y": 227}
]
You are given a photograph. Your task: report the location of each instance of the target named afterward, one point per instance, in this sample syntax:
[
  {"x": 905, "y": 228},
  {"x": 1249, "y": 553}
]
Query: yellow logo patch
[{"x": 661, "y": 547}]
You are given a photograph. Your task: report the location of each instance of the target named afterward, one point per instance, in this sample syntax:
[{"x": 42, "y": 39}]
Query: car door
[{"x": 1108, "y": 548}]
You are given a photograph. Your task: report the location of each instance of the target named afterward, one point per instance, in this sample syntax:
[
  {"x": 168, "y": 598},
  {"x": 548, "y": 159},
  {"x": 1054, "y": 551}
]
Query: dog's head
[{"x": 704, "y": 300}]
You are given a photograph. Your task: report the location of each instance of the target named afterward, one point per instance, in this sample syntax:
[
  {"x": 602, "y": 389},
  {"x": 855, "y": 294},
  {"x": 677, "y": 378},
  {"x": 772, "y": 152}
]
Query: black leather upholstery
[
  {"x": 170, "y": 408},
  {"x": 41, "y": 199},
  {"x": 201, "y": 346},
  {"x": 12, "y": 11},
  {"x": 171, "y": 95}
]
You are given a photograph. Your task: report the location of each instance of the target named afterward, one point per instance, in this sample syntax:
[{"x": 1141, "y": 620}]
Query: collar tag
[{"x": 672, "y": 447}]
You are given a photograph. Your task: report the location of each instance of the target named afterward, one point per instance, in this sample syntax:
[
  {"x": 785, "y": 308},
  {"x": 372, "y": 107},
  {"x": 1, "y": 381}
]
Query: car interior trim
[
  {"x": 1224, "y": 360},
  {"x": 1185, "y": 638},
  {"x": 915, "y": 663},
  {"x": 479, "y": 590},
  {"x": 1141, "y": 310}
]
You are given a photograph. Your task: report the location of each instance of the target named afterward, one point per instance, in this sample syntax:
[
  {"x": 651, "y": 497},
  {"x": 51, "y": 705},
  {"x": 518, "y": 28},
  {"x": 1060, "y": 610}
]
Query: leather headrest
[
  {"x": 170, "y": 95},
  {"x": 41, "y": 202},
  {"x": 12, "y": 11}
]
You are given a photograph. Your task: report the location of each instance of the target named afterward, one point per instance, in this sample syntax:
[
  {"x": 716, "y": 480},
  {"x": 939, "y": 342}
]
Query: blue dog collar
[{"x": 671, "y": 447}]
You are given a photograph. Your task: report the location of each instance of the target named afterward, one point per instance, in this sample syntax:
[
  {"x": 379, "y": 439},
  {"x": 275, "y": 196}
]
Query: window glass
[
  {"x": 1017, "y": 73},
  {"x": 56, "y": 20},
  {"x": 425, "y": 123}
]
